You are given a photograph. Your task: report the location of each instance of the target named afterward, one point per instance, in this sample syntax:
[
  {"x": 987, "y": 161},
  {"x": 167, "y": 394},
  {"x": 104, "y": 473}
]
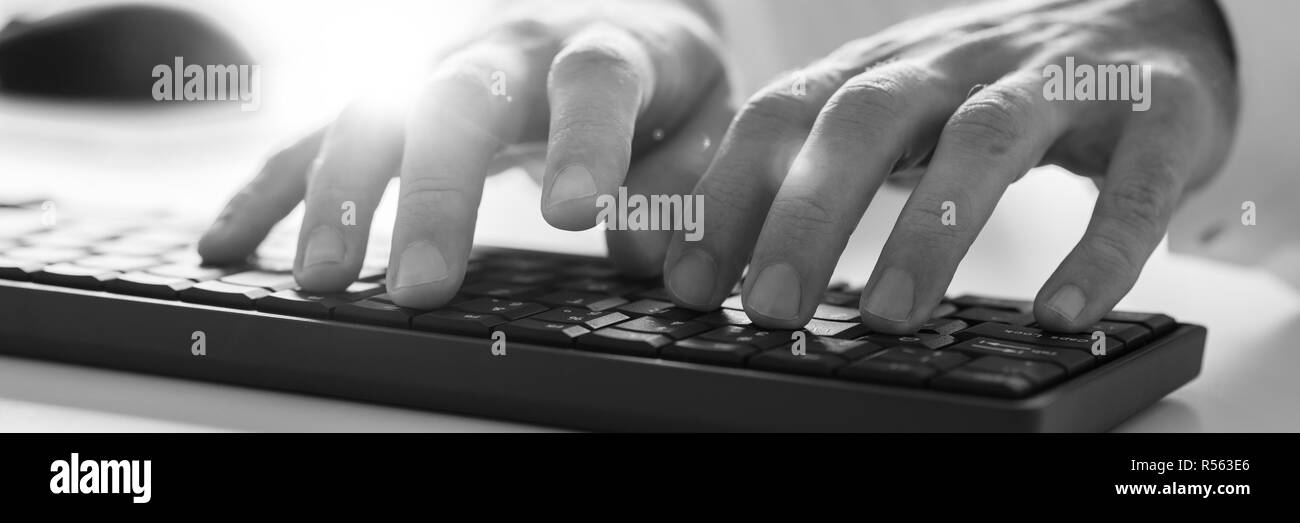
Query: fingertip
[
  {"x": 570, "y": 199},
  {"x": 1064, "y": 309},
  {"x": 423, "y": 278}
]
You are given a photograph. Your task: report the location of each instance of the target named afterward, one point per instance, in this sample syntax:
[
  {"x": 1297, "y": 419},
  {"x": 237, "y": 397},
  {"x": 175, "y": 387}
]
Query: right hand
[{"x": 638, "y": 79}]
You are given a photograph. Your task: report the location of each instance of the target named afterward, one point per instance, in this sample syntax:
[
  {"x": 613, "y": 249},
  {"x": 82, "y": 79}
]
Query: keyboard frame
[{"x": 549, "y": 385}]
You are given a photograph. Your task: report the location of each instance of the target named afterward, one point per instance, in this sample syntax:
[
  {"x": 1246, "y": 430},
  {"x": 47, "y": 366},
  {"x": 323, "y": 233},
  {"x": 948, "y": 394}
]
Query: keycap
[
  {"x": 139, "y": 283},
  {"x": 848, "y": 349},
  {"x": 595, "y": 302},
  {"x": 836, "y": 313},
  {"x": 673, "y": 329},
  {"x": 588, "y": 318},
  {"x": 755, "y": 337},
  {"x": 296, "y": 302},
  {"x": 115, "y": 262},
  {"x": 1158, "y": 323},
  {"x": 983, "y": 314},
  {"x": 1073, "y": 361},
  {"x": 929, "y": 341},
  {"x": 836, "y": 329},
  {"x": 16, "y": 269},
  {"x": 1132, "y": 334},
  {"x": 841, "y": 299},
  {"x": 550, "y": 333},
  {"x": 941, "y": 360},
  {"x": 1032, "y": 336},
  {"x": 657, "y": 294},
  {"x": 458, "y": 322},
  {"x": 128, "y": 247},
  {"x": 993, "y": 303},
  {"x": 271, "y": 281},
  {"x": 998, "y": 376},
  {"x": 706, "y": 351},
  {"x": 519, "y": 278},
  {"x": 887, "y": 371},
  {"x": 189, "y": 272},
  {"x": 498, "y": 289},
  {"x": 608, "y": 287},
  {"x": 941, "y": 327},
  {"x": 734, "y": 303},
  {"x": 661, "y": 309},
  {"x": 725, "y": 317},
  {"x": 224, "y": 294},
  {"x": 782, "y": 360},
  {"x": 72, "y": 275},
  {"x": 615, "y": 340},
  {"x": 374, "y": 312},
  {"x": 508, "y": 309},
  {"x": 45, "y": 254}
]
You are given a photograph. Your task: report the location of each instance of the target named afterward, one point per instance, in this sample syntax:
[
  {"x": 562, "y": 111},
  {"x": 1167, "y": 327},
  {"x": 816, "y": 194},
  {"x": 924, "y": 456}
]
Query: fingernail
[
  {"x": 325, "y": 245},
  {"x": 421, "y": 263},
  {"x": 572, "y": 183},
  {"x": 775, "y": 293},
  {"x": 1068, "y": 302},
  {"x": 892, "y": 297},
  {"x": 691, "y": 278}
]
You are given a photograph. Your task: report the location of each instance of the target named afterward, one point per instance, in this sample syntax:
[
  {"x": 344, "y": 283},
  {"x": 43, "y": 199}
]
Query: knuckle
[
  {"x": 432, "y": 196},
  {"x": 922, "y": 223},
  {"x": 803, "y": 213},
  {"x": 866, "y": 106},
  {"x": 993, "y": 122},
  {"x": 577, "y": 62},
  {"x": 1112, "y": 251},
  {"x": 772, "y": 109},
  {"x": 1141, "y": 205}
]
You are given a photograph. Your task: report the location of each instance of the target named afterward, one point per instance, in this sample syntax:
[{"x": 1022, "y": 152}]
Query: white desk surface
[{"x": 1248, "y": 382}]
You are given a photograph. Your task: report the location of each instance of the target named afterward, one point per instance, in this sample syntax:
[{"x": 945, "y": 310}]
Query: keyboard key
[
  {"x": 458, "y": 322},
  {"x": 929, "y": 341},
  {"x": 615, "y": 340},
  {"x": 673, "y": 329},
  {"x": 224, "y": 294},
  {"x": 72, "y": 275},
  {"x": 46, "y": 254},
  {"x": 836, "y": 329},
  {"x": 129, "y": 247},
  {"x": 983, "y": 314},
  {"x": 835, "y": 313},
  {"x": 941, "y": 360},
  {"x": 812, "y": 363},
  {"x": 1158, "y": 323},
  {"x": 733, "y": 303},
  {"x": 1132, "y": 334},
  {"x": 758, "y": 338},
  {"x": 271, "y": 281},
  {"x": 189, "y": 271},
  {"x": 608, "y": 287},
  {"x": 659, "y": 309},
  {"x": 1000, "y": 377},
  {"x": 1074, "y": 361},
  {"x": 595, "y": 302},
  {"x": 550, "y": 333},
  {"x": 119, "y": 263},
  {"x": 375, "y": 313},
  {"x": 16, "y": 269},
  {"x": 841, "y": 299},
  {"x": 518, "y": 278},
  {"x": 706, "y": 351},
  {"x": 498, "y": 289},
  {"x": 848, "y": 349},
  {"x": 508, "y": 309},
  {"x": 994, "y": 303},
  {"x": 725, "y": 317},
  {"x": 140, "y": 283},
  {"x": 941, "y": 327},
  {"x": 1032, "y": 336},
  {"x": 588, "y": 318},
  {"x": 315, "y": 305},
  {"x": 876, "y": 370}
]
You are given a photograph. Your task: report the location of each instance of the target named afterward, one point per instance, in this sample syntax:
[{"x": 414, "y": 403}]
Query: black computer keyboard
[{"x": 563, "y": 340}]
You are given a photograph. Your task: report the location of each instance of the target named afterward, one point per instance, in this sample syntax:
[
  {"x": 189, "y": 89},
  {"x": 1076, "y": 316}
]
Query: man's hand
[
  {"x": 604, "y": 82},
  {"x": 962, "y": 94}
]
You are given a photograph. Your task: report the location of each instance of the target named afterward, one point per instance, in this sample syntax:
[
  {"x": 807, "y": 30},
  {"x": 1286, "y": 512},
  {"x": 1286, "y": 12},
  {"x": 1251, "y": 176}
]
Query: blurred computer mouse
[{"x": 107, "y": 53}]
